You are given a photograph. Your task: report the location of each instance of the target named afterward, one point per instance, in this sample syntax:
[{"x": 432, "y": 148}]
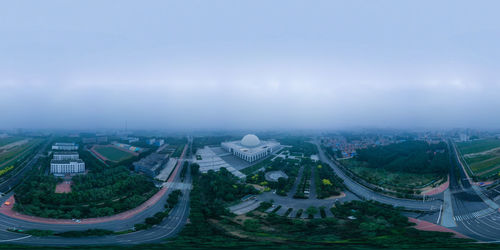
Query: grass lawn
[
  {"x": 482, "y": 160},
  {"x": 113, "y": 154},
  {"x": 9, "y": 140},
  {"x": 6, "y": 158},
  {"x": 389, "y": 179},
  {"x": 481, "y": 164},
  {"x": 253, "y": 168},
  {"x": 477, "y": 146}
]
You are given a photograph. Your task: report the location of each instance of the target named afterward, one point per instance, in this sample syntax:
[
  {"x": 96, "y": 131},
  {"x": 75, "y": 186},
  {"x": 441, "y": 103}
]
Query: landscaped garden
[
  {"x": 356, "y": 224},
  {"x": 104, "y": 191},
  {"x": 405, "y": 167}
]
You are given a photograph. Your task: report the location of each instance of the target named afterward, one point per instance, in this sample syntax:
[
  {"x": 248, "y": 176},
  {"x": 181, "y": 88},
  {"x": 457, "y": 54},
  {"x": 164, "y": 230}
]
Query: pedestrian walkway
[
  {"x": 474, "y": 215},
  {"x": 245, "y": 207},
  {"x": 177, "y": 185},
  {"x": 447, "y": 214}
]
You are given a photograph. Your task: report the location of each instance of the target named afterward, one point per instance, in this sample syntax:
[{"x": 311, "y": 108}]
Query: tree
[{"x": 311, "y": 211}]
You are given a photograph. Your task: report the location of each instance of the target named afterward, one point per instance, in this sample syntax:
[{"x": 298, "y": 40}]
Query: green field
[
  {"x": 484, "y": 164},
  {"x": 480, "y": 156},
  {"x": 9, "y": 140},
  {"x": 11, "y": 159},
  {"x": 477, "y": 146},
  {"x": 16, "y": 152},
  {"x": 113, "y": 154}
]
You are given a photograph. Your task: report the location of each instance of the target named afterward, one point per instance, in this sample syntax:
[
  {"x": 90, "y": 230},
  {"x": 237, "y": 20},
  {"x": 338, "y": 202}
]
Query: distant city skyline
[{"x": 249, "y": 64}]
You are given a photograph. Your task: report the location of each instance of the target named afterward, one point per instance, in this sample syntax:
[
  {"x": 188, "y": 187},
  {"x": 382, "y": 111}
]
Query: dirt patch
[
  {"x": 64, "y": 187},
  {"x": 258, "y": 187},
  {"x": 341, "y": 195}
]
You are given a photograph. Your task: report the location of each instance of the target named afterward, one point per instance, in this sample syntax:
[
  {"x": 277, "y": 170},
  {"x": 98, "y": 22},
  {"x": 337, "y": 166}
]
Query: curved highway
[
  {"x": 169, "y": 227},
  {"x": 474, "y": 214},
  {"x": 368, "y": 194}
]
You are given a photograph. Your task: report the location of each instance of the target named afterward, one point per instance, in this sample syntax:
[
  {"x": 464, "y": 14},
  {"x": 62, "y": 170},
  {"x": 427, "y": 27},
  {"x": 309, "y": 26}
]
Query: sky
[{"x": 256, "y": 64}]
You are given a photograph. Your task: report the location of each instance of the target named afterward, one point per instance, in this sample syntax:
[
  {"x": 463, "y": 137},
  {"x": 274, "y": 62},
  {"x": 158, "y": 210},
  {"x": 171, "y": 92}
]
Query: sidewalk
[
  {"x": 439, "y": 189},
  {"x": 427, "y": 226}
]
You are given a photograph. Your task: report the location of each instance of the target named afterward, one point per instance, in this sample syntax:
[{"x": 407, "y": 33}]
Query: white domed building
[{"x": 251, "y": 148}]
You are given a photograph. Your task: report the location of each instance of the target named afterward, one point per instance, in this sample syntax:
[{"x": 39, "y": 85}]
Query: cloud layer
[{"x": 246, "y": 65}]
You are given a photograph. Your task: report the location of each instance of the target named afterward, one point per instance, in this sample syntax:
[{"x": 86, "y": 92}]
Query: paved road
[
  {"x": 474, "y": 215},
  {"x": 293, "y": 190},
  {"x": 169, "y": 227},
  {"x": 14, "y": 180},
  {"x": 361, "y": 191}
]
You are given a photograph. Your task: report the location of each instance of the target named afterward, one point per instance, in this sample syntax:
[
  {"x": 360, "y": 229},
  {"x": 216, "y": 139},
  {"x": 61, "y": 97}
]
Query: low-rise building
[{"x": 151, "y": 165}]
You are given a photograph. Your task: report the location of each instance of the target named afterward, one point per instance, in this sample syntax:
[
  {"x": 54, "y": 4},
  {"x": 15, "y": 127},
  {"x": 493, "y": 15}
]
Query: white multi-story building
[
  {"x": 61, "y": 167},
  {"x": 250, "y": 148},
  {"x": 66, "y": 155},
  {"x": 65, "y": 146},
  {"x": 66, "y": 162}
]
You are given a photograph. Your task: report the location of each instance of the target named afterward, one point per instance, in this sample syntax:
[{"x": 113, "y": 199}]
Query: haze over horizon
[{"x": 249, "y": 64}]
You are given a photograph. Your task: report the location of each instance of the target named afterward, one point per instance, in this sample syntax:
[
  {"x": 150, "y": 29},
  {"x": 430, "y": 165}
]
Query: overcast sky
[{"x": 249, "y": 64}]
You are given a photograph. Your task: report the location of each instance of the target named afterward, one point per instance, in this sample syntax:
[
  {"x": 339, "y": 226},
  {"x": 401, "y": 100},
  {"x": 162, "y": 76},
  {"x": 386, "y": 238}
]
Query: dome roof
[{"x": 250, "y": 140}]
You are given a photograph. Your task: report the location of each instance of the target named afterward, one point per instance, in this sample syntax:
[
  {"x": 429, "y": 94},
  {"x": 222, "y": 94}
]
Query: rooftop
[
  {"x": 152, "y": 162},
  {"x": 65, "y": 161},
  {"x": 65, "y": 153},
  {"x": 244, "y": 148}
]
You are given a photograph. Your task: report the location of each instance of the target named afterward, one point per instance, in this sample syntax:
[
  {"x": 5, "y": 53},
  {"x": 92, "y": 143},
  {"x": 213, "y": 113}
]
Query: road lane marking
[{"x": 22, "y": 238}]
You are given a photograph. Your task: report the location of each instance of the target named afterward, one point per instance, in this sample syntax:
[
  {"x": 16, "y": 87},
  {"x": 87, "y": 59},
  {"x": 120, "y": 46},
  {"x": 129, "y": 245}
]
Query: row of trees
[
  {"x": 210, "y": 195},
  {"x": 357, "y": 222},
  {"x": 410, "y": 156},
  {"x": 304, "y": 185},
  {"x": 327, "y": 182},
  {"x": 103, "y": 191},
  {"x": 172, "y": 200},
  {"x": 299, "y": 145}
]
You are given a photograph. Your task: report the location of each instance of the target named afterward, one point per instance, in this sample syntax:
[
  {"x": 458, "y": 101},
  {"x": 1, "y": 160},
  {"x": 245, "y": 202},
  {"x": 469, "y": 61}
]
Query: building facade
[
  {"x": 66, "y": 155},
  {"x": 61, "y": 167},
  {"x": 66, "y": 162},
  {"x": 151, "y": 165},
  {"x": 250, "y": 148},
  {"x": 65, "y": 146}
]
